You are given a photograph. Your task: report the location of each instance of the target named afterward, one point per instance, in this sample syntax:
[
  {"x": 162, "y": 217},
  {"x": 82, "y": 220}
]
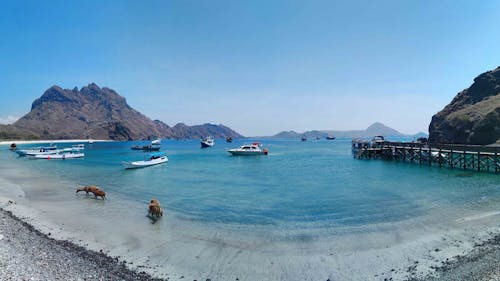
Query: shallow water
[{"x": 305, "y": 199}]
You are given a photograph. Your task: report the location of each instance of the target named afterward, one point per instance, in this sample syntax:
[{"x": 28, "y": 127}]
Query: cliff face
[
  {"x": 92, "y": 112},
  {"x": 473, "y": 117}
]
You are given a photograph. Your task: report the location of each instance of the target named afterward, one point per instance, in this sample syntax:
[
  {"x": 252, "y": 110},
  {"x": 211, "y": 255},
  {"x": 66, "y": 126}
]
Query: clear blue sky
[{"x": 257, "y": 66}]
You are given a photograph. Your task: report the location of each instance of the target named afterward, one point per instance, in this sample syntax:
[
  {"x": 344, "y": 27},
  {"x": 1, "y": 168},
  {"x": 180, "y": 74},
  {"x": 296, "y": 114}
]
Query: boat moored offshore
[
  {"x": 150, "y": 160},
  {"x": 207, "y": 142},
  {"x": 249, "y": 149},
  {"x": 60, "y": 155},
  {"x": 43, "y": 150}
]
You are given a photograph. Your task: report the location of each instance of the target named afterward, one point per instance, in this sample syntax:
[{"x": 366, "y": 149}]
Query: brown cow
[
  {"x": 155, "y": 208},
  {"x": 94, "y": 189}
]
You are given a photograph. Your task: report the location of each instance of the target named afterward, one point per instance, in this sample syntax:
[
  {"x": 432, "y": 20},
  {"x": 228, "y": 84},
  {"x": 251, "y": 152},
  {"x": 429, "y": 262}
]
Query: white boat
[
  {"x": 156, "y": 142},
  {"x": 77, "y": 147},
  {"x": 249, "y": 149},
  {"x": 149, "y": 160},
  {"x": 61, "y": 155},
  {"x": 44, "y": 150},
  {"x": 207, "y": 142}
]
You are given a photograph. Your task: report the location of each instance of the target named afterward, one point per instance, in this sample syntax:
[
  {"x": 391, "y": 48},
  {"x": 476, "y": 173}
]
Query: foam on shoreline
[{"x": 175, "y": 247}]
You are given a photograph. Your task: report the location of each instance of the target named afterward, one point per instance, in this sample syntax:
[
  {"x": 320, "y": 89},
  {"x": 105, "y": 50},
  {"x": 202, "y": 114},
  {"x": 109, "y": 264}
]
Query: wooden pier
[{"x": 466, "y": 157}]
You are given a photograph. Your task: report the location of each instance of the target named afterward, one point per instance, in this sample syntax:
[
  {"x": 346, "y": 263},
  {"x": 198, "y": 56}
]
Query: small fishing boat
[
  {"x": 61, "y": 155},
  {"x": 156, "y": 142},
  {"x": 13, "y": 146},
  {"x": 149, "y": 160},
  {"x": 207, "y": 142},
  {"x": 229, "y": 139},
  {"x": 330, "y": 138},
  {"x": 43, "y": 150},
  {"x": 249, "y": 149},
  {"x": 303, "y": 138},
  {"x": 146, "y": 147},
  {"x": 77, "y": 147}
]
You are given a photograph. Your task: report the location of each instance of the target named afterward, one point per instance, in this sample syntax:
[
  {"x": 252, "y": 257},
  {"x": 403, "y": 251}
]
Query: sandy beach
[
  {"x": 481, "y": 264},
  {"x": 28, "y": 254}
]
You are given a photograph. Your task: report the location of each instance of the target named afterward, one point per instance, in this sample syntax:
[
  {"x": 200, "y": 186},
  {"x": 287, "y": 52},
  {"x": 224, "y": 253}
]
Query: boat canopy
[{"x": 157, "y": 154}]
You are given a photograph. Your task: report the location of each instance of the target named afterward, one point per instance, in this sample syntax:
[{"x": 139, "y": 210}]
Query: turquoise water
[
  {"x": 306, "y": 211},
  {"x": 298, "y": 185},
  {"x": 314, "y": 182}
]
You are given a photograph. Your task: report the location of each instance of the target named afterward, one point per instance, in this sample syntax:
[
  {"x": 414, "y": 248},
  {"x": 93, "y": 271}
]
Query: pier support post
[
  {"x": 478, "y": 161},
  {"x": 464, "y": 157},
  {"x": 451, "y": 158}
]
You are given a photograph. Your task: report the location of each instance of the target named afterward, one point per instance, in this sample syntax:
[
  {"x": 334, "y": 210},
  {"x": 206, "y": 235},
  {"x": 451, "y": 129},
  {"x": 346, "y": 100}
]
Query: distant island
[
  {"x": 97, "y": 113},
  {"x": 376, "y": 129},
  {"x": 473, "y": 116}
]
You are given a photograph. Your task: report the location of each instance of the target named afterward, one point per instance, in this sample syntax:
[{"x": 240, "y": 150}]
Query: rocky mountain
[
  {"x": 97, "y": 113},
  {"x": 473, "y": 116},
  {"x": 287, "y": 135},
  {"x": 184, "y": 131},
  {"x": 376, "y": 129}
]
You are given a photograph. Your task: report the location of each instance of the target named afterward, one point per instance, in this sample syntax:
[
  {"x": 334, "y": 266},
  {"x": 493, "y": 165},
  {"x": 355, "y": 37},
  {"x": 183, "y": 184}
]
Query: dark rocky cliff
[
  {"x": 98, "y": 113},
  {"x": 473, "y": 116}
]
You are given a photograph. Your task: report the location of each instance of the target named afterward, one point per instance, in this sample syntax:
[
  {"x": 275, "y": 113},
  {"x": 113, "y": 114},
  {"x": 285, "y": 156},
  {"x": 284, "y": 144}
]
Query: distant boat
[
  {"x": 90, "y": 141},
  {"x": 61, "y": 155},
  {"x": 378, "y": 139},
  {"x": 79, "y": 146},
  {"x": 249, "y": 149},
  {"x": 13, "y": 146},
  {"x": 156, "y": 142},
  {"x": 207, "y": 142},
  {"x": 43, "y": 150},
  {"x": 229, "y": 139},
  {"x": 303, "y": 138},
  {"x": 149, "y": 160},
  {"x": 146, "y": 147},
  {"x": 330, "y": 138}
]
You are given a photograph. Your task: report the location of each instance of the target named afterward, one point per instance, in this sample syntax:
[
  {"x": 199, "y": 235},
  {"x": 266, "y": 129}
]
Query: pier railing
[{"x": 468, "y": 157}]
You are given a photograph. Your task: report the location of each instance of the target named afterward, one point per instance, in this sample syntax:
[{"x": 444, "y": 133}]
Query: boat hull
[
  {"x": 143, "y": 164},
  {"x": 60, "y": 156},
  {"x": 146, "y": 148},
  {"x": 206, "y": 144},
  {"x": 247, "y": 153}
]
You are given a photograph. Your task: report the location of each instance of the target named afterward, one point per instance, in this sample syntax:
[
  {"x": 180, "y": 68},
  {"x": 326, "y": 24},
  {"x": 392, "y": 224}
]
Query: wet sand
[{"x": 28, "y": 254}]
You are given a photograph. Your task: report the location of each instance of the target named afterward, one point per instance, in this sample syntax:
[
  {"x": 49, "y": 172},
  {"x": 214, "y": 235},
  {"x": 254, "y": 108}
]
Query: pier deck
[{"x": 466, "y": 157}]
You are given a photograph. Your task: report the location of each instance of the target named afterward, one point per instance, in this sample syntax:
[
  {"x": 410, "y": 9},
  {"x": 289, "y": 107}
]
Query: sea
[{"x": 306, "y": 211}]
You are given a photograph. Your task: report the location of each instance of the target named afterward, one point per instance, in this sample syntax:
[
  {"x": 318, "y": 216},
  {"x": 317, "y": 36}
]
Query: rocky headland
[{"x": 473, "y": 116}]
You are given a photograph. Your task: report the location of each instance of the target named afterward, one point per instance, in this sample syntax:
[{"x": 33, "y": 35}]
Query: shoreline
[
  {"x": 9, "y": 142},
  {"x": 208, "y": 253},
  {"x": 27, "y": 253},
  {"x": 482, "y": 263}
]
